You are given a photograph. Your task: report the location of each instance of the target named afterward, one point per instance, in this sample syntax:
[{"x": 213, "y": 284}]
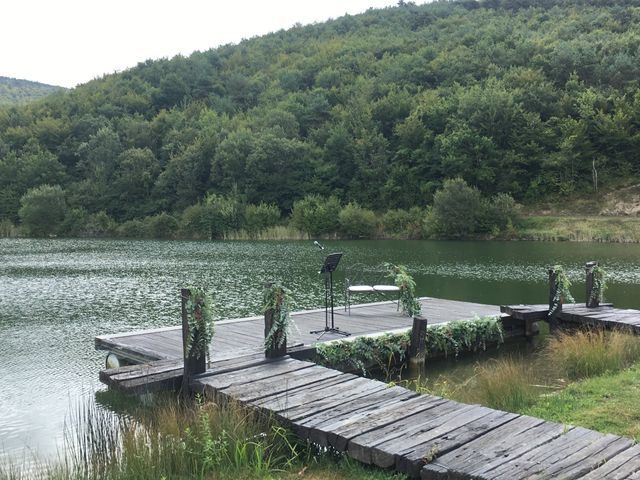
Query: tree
[
  {"x": 43, "y": 210},
  {"x": 258, "y": 218},
  {"x": 357, "y": 222},
  {"x": 457, "y": 209},
  {"x": 316, "y": 215}
]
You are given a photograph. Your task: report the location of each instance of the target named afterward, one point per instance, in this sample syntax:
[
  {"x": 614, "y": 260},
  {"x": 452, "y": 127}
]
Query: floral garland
[
  {"x": 200, "y": 320},
  {"x": 408, "y": 301},
  {"x": 563, "y": 284},
  {"x": 278, "y": 299},
  {"x": 599, "y": 285}
]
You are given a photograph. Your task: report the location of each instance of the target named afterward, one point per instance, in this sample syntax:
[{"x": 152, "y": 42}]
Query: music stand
[{"x": 329, "y": 266}]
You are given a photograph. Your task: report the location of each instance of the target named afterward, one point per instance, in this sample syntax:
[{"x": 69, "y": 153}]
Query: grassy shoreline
[
  {"x": 197, "y": 440},
  {"x": 542, "y": 228},
  {"x": 580, "y": 229}
]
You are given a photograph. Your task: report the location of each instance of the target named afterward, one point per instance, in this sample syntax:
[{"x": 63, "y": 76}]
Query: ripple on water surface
[{"x": 57, "y": 295}]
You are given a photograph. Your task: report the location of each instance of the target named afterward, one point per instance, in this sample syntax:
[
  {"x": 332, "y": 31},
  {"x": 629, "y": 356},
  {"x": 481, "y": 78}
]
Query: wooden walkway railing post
[
  {"x": 592, "y": 301},
  {"x": 418, "y": 345},
  {"x": 278, "y": 346},
  {"x": 554, "y": 308},
  {"x": 192, "y": 363}
]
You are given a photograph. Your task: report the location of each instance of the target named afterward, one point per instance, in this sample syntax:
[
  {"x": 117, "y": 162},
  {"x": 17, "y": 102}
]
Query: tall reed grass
[
  {"x": 205, "y": 441},
  {"x": 277, "y": 232},
  {"x": 504, "y": 384},
  {"x": 8, "y": 229},
  {"x": 515, "y": 384},
  {"x": 582, "y": 354}
]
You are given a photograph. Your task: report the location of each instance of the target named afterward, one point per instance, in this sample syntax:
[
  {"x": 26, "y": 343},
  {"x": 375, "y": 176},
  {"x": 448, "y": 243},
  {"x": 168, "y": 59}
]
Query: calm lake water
[{"x": 57, "y": 295}]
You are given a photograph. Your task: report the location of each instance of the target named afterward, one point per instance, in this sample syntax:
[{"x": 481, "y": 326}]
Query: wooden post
[
  {"x": 591, "y": 302},
  {"x": 279, "y": 345},
  {"x": 192, "y": 364},
  {"x": 553, "y": 309},
  {"x": 418, "y": 346}
]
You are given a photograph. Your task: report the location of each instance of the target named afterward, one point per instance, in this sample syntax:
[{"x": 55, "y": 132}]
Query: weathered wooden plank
[
  {"x": 341, "y": 431},
  {"x": 622, "y": 465},
  {"x": 299, "y": 395},
  {"x": 409, "y": 453},
  {"x": 249, "y": 392},
  {"x": 414, "y": 454},
  {"x": 348, "y": 392},
  {"x": 221, "y": 381},
  {"x": 362, "y": 447},
  {"x": 482, "y": 456},
  {"x": 598, "y": 451},
  {"x": 346, "y": 409},
  {"x": 563, "y": 452},
  {"x": 526, "y": 312},
  {"x": 318, "y": 428}
]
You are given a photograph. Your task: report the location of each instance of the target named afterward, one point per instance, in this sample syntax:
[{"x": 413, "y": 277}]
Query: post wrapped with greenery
[
  {"x": 364, "y": 353},
  {"x": 276, "y": 299},
  {"x": 199, "y": 311},
  {"x": 408, "y": 301},
  {"x": 561, "y": 293},
  {"x": 599, "y": 285}
]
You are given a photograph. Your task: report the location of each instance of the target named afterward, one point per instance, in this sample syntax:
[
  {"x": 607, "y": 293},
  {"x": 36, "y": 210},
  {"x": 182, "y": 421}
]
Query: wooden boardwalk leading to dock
[{"x": 422, "y": 436}]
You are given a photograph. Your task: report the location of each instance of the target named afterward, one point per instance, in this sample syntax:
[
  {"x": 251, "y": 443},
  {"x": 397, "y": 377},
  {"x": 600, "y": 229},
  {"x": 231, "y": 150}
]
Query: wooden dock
[
  {"x": 605, "y": 316},
  {"x": 238, "y": 337},
  {"x": 422, "y": 436}
]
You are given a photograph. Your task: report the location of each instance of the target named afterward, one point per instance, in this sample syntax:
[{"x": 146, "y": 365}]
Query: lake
[{"x": 57, "y": 295}]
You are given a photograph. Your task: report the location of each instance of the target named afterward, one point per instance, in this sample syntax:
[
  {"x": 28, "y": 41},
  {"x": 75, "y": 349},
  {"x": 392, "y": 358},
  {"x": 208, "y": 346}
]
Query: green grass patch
[
  {"x": 608, "y": 404},
  {"x": 604, "y": 367}
]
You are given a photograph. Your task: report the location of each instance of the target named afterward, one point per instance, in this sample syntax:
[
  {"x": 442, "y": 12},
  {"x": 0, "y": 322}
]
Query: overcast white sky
[{"x": 67, "y": 42}]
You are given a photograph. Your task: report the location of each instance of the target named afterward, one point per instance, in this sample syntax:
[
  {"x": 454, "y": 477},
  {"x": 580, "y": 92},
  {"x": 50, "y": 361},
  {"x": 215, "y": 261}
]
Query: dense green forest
[
  {"x": 14, "y": 91},
  {"x": 536, "y": 99}
]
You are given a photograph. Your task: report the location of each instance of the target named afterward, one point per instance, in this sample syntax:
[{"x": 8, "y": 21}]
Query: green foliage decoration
[
  {"x": 364, "y": 353},
  {"x": 200, "y": 319},
  {"x": 563, "y": 292},
  {"x": 384, "y": 351},
  {"x": 277, "y": 298},
  {"x": 464, "y": 335},
  {"x": 409, "y": 303},
  {"x": 599, "y": 284}
]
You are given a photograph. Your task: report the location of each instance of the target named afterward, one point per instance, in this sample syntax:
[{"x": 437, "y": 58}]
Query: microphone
[{"x": 317, "y": 244}]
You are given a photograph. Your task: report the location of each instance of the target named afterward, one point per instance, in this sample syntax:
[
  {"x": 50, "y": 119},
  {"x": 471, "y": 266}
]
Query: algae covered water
[{"x": 57, "y": 295}]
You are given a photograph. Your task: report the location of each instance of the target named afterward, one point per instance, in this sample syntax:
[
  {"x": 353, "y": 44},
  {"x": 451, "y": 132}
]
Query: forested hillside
[
  {"x": 14, "y": 91},
  {"x": 531, "y": 98}
]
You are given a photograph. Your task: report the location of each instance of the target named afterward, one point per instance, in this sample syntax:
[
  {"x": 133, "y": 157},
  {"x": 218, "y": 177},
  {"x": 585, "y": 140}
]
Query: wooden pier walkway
[
  {"x": 578, "y": 314},
  {"x": 237, "y": 337},
  {"x": 421, "y": 436}
]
